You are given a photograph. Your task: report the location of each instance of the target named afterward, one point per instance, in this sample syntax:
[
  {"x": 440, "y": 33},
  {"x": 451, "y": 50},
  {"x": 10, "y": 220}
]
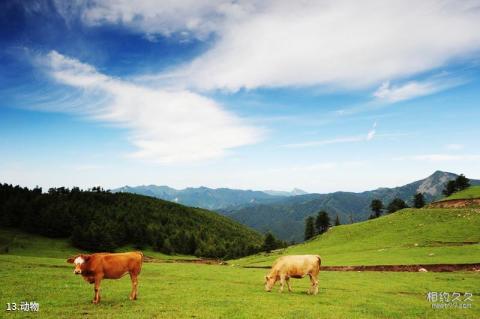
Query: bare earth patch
[
  {"x": 396, "y": 268},
  {"x": 456, "y": 203},
  {"x": 399, "y": 268}
]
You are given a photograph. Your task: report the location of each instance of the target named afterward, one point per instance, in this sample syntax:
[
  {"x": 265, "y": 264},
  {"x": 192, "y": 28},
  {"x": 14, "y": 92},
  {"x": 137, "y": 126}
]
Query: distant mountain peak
[
  {"x": 298, "y": 191},
  {"x": 293, "y": 192},
  {"x": 439, "y": 173},
  {"x": 434, "y": 184}
]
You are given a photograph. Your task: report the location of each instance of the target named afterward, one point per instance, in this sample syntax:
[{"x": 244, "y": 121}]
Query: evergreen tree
[
  {"x": 396, "y": 204},
  {"x": 167, "y": 247},
  {"x": 337, "y": 221},
  {"x": 270, "y": 243},
  {"x": 309, "y": 227},
  {"x": 461, "y": 183},
  {"x": 376, "y": 206},
  {"x": 158, "y": 243},
  {"x": 192, "y": 244},
  {"x": 450, "y": 188},
  {"x": 418, "y": 200},
  {"x": 322, "y": 222}
]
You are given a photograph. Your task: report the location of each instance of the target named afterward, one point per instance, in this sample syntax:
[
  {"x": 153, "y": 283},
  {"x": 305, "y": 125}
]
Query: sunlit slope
[
  {"x": 410, "y": 236},
  {"x": 469, "y": 193}
]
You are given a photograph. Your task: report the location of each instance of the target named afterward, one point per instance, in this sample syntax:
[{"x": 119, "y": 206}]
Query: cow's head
[
  {"x": 269, "y": 282},
  {"x": 79, "y": 261}
]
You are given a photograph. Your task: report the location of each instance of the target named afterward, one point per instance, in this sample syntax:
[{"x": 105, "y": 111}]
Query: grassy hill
[
  {"x": 409, "y": 236},
  {"x": 469, "y": 193}
]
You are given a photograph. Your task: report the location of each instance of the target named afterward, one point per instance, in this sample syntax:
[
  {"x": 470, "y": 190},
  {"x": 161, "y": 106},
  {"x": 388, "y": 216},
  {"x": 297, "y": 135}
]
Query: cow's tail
[
  {"x": 141, "y": 254},
  {"x": 143, "y": 259},
  {"x": 319, "y": 260}
]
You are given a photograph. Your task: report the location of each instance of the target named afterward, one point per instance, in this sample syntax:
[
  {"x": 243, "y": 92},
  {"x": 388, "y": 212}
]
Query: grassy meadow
[{"x": 207, "y": 291}]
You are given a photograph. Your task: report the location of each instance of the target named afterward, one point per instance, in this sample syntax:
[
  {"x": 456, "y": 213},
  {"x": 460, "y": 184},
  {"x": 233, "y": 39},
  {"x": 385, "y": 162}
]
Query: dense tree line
[
  {"x": 418, "y": 200},
  {"x": 396, "y": 204},
  {"x": 318, "y": 225},
  {"x": 97, "y": 220},
  {"x": 271, "y": 243},
  {"x": 456, "y": 185}
]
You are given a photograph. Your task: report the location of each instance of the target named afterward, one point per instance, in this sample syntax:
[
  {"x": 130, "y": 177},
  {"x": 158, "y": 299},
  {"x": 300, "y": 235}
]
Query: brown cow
[
  {"x": 96, "y": 267},
  {"x": 295, "y": 266}
]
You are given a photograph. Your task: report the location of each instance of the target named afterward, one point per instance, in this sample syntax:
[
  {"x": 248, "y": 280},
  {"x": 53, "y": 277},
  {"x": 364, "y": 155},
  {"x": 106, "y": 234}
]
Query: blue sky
[{"x": 244, "y": 94}]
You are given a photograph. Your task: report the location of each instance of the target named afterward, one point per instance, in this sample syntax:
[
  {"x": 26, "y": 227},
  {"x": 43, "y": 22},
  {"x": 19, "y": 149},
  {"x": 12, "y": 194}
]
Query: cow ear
[{"x": 71, "y": 259}]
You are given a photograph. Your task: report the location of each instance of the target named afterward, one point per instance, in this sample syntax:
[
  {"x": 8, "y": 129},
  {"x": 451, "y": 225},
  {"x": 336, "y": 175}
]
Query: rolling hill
[
  {"x": 285, "y": 217},
  {"x": 409, "y": 236}
]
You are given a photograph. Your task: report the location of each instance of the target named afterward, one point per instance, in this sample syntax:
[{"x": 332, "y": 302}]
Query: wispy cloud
[
  {"x": 339, "y": 140},
  {"x": 165, "y": 126},
  {"x": 372, "y": 132},
  {"x": 413, "y": 89},
  {"x": 440, "y": 157}
]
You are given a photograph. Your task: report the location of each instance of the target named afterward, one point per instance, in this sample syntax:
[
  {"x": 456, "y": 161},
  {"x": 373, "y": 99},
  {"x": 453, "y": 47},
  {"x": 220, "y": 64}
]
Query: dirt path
[
  {"x": 398, "y": 268},
  {"x": 149, "y": 259},
  {"x": 407, "y": 268}
]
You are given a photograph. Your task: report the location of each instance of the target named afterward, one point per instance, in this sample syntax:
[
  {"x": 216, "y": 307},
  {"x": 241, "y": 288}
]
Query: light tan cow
[
  {"x": 295, "y": 266},
  {"x": 96, "y": 267}
]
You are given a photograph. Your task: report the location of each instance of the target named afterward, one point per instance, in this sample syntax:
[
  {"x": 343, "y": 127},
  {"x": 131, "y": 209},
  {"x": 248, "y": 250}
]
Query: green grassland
[
  {"x": 410, "y": 236},
  {"x": 469, "y": 193},
  {"x": 34, "y": 269},
  {"x": 206, "y": 291}
]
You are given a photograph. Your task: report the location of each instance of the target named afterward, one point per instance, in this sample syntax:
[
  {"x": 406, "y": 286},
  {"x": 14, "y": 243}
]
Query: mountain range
[
  {"x": 209, "y": 198},
  {"x": 284, "y": 214},
  {"x": 285, "y": 218}
]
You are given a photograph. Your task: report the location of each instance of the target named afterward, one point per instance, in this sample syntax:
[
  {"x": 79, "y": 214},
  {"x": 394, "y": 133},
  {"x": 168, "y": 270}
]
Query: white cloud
[
  {"x": 441, "y": 157},
  {"x": 413, "y": 89},
  {"x": 347, "y": 44},
  {"x": 191, "y": 18},
  {"x": 166, "y": 126},
  {"x": 278, "y": 43}
]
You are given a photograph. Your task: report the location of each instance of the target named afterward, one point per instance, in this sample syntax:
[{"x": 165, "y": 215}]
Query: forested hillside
[{"x": 97, "y": 220}]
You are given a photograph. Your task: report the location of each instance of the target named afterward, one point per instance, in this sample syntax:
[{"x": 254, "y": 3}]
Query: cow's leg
[
  {"x": 314, "y": 288},
  {"x": 310, "y": 289},
  {"x": 96, "y": 298},
  {"x": 282, "y": 282},
  {"x": 134, "y": 278},
  {"x": 288, "y": 284}
]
